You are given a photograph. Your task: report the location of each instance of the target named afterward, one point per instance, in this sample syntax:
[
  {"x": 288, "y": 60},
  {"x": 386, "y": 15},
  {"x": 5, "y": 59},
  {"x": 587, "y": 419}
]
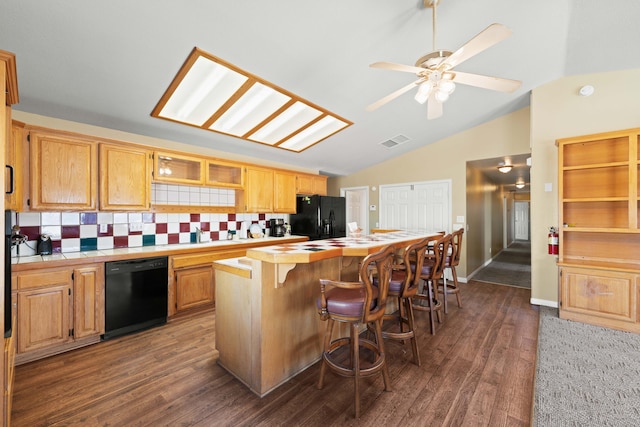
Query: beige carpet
[{"x": 585, "y": 375}]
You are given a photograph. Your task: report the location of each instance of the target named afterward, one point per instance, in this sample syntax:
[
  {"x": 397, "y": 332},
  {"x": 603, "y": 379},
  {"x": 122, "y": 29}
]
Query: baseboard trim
[{"x": 546, "y": 303}]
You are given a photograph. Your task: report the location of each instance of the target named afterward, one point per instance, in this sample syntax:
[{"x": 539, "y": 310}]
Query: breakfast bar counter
[{"x": 267, "y": 326}]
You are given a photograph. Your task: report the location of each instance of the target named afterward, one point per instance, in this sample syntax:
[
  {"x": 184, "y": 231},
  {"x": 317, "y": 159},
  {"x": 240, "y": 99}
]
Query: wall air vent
[{"x": 395, "y": 141}]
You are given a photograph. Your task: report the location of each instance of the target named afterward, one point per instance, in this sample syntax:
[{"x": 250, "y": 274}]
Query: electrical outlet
[
  {"x": 135, "y": 226},
  {"x": 103, "y": 228}
]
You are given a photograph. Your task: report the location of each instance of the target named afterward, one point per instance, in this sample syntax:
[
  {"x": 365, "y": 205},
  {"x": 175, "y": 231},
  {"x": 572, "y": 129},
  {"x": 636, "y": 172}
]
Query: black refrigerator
[{"x": 319, "y": 217}]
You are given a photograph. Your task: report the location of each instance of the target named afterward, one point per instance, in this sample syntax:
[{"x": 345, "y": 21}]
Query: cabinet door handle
[{"x": 11, "y": 186}]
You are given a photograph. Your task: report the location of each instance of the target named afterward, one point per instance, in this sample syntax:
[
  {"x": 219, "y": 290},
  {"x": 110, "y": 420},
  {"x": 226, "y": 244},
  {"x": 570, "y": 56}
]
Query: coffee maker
[{"x": 276, "y": 227}]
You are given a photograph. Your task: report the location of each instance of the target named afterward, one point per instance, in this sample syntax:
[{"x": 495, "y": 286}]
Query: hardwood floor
[{"x": 477, "y": 370}]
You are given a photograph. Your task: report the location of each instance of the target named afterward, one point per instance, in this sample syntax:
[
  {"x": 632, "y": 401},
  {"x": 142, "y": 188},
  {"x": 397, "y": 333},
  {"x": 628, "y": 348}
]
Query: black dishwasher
[{"x": 136, "y": 294}]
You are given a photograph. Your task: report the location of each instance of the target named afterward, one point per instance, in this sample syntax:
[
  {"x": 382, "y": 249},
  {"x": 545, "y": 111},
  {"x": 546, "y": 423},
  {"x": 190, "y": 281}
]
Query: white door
[
  {"x": 396, "y": 206},
  {"x": 357, "y": 201},
  {"x": 522, "y": 220},
  {"x": 421, "y": 206}
]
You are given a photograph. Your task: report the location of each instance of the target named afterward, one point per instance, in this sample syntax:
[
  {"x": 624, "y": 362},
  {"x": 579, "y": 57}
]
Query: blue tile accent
[
  {"x": 193, "y": 238},
  {"x": 88, "y": 244},
  {"x": 148, "y": 239}
]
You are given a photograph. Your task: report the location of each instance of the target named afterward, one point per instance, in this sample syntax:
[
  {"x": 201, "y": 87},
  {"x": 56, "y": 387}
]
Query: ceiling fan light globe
[
  {"x": 441, "y": 96},
  {"x": 447, "y": 86},
  {"x": 424, "y": 90}
]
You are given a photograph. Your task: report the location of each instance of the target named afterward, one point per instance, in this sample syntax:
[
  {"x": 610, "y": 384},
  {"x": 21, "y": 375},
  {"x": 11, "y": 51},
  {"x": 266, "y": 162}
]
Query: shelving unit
[{"x": 599, "y": 255}]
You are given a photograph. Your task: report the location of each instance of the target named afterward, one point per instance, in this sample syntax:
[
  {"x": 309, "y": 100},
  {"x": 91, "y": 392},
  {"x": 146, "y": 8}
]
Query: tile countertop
[
  {"x": 40, "y": 261},
  {"x": 316, "y": 250}
]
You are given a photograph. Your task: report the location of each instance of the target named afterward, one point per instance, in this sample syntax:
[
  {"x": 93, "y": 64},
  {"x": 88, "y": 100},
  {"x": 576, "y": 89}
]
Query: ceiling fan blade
[
  {"x": 486, "y": 82},
  {"x": 488, "y": 37},
  {"x": 398, "y": 67},
  {"x": 434, "y": 108},
  {"x": 393, "y": 95}
]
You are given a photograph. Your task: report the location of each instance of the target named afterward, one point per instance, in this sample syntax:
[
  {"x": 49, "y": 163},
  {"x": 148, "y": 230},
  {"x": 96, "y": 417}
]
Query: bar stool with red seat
[
  {"x": 432, "y": 271},
  {"x": 404, "y": 286},
  {"x": 357, "y": 303},
  {"x": 450, "y": 263}
]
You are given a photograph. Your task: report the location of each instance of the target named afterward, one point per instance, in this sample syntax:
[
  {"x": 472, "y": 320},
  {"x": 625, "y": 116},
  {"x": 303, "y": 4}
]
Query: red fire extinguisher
[{"x": 553, "y": 241}]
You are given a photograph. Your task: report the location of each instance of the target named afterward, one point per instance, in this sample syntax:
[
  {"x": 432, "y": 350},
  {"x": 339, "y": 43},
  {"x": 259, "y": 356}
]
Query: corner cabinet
[
  {"x": 125, "y": 178},
  {"x": 63, "y": 171},
  {"x": 599, "y": 235}
]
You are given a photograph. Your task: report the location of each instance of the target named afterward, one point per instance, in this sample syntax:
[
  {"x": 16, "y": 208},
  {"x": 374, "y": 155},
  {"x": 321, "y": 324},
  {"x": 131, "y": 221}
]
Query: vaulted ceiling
[{"x": 108, "y": 63}]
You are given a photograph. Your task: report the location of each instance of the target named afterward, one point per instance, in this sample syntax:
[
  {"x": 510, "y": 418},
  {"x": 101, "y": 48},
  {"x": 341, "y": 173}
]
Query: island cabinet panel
[
  {"x": 63, "y": 171},
  {"x": 599, "y": 233},
  {"x": 125, "y": 177},
  {"x": 268, "y": 330}
]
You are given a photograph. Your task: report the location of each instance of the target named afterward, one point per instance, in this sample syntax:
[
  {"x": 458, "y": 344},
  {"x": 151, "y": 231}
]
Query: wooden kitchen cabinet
[
  {"x": 191, "y": 281},
  {"x": 58, "y": 310},
  {"x": 224, "y": 174},
  {"x": 258, "y": 192},
  {"x": 309, "y": 185},
  {"x": 125, "y": 177},
  {"x": 63, "y": 171},
  {"x": 178, "y": 169},
  {"x": 15, "y": 167},
  {"x": 284, "y": 193},
  {"x": 599, "y": 254},
  {"x": 194, "y": 287}
]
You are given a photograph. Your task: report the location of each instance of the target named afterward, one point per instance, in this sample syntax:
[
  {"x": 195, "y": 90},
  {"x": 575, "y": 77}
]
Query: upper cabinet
[
  {"x": 224, "y": 174},
  {"x": 284, "y": 193},
  {"x": 15, "y": 168},
  {"x": 125, "y": 177},
  {"x": 311, "y": 184},
  {"x": 63, "y": 171},
  {"x": 178, "y": 169},
  {"x": 258, "y": 191}
]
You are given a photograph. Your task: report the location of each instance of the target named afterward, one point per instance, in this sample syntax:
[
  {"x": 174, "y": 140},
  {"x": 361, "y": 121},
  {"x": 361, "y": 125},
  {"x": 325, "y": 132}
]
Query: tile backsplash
[{"x": 88, "y": 231}]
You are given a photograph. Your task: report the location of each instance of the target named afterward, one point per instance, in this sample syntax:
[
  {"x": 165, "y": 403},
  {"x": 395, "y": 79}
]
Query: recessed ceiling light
[{"x": 214, "y": 95}]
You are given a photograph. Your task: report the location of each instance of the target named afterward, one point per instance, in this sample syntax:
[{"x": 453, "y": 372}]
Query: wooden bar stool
[
  {"x": 450, "y": 263},
  {"x": 357, "y": 303},
  {"x": 432, "y": 271},
  {"x": 404, "y": 286}
]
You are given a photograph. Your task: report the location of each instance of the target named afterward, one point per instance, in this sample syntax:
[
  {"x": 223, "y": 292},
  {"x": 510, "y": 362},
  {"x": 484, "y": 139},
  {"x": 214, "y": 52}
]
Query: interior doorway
[
  {"x": 521, "y": 220},
  {"x": 357, "y": 202}
]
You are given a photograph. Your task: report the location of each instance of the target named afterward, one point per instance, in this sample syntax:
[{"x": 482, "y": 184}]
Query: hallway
[{"x": 512, "y": 266}]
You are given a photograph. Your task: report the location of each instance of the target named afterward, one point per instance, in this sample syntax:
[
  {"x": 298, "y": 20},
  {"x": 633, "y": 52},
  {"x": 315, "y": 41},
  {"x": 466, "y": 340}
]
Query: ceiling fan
[{"x": 436, "y": 77}]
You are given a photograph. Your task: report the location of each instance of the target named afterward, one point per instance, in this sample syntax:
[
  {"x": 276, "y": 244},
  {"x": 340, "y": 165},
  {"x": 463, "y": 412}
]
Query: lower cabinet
[
  {"x": 600, "y": 297},
  {"x": 191, "y": 281},
  {"x": 194, "y": 287},
  {"x": 58, "y": 310}
]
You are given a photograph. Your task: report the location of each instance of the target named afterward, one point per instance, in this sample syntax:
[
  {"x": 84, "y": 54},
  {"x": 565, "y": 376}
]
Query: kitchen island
[{"x": 267, "y": 326}]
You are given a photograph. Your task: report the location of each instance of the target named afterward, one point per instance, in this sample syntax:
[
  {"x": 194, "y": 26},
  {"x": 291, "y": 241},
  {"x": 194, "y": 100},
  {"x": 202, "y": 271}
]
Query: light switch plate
[
  {"x": 135, "y": 226},
  {"x": 460, "y": 218}
]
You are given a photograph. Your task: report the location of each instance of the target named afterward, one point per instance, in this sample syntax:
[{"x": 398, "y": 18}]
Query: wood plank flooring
[{"x": 477, "y": 370}]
